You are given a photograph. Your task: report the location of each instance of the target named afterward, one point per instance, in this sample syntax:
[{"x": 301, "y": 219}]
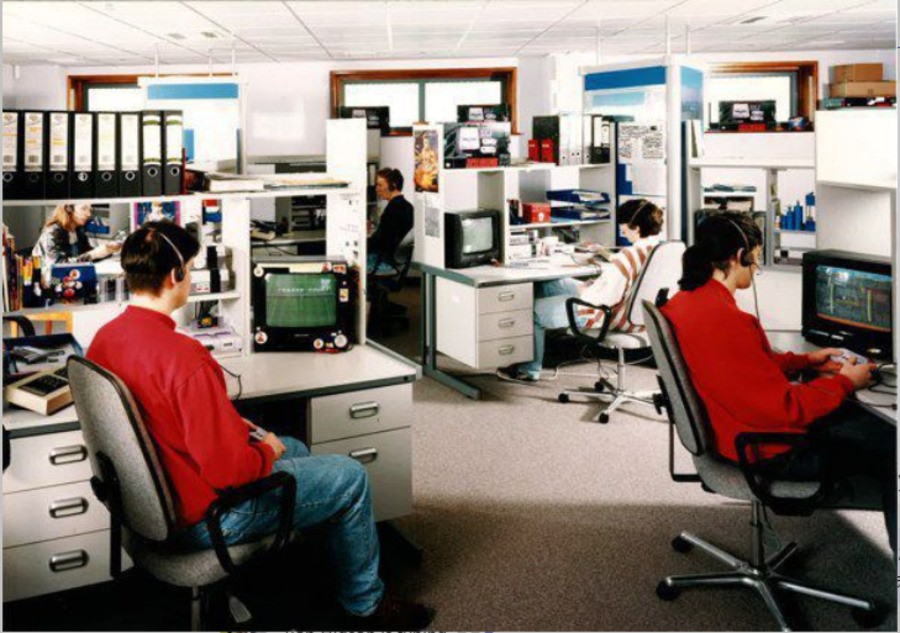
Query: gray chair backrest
[
  {"x": 687, "y": 409},
  {"x": 111, "y": 423},
  {"x": 661, "y": 270}
]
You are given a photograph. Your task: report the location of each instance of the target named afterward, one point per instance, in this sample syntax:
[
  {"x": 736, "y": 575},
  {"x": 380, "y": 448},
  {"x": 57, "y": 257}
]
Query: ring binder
[
  {"x": 106, "y": 147},
  {"x": 173, "y": 142},
  {"x": 129, "y": 153},
  {"x": 13, "y": 141},
  {"x": 57, "y": 150},
  {"x": 151, "y": 153},
  {"x": 33, "y": 154},
  {"x": 83, "y": 155}
]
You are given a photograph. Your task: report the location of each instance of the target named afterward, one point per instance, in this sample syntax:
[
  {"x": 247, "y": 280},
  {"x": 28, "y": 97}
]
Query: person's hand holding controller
[{"x": 860, "y": 375}]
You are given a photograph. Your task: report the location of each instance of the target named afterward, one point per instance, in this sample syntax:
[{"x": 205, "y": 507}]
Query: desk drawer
[
  {"x": 50, "y": 566},
  {"x": 499, "y": 325},
  {"x": 360, "y": 413},
  {"x": 46, "y": 460},
  {"x": 388, "y": 459},
  {"x": 505, "y": 351},
  {"x": 505, "y": 298},
  {"x": 51, "y": 513}
]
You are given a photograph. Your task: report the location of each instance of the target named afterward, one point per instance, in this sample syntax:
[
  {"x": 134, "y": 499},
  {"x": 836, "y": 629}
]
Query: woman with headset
[
  {"x": 745, "y": 386},
  {"x": 640, "y": 222},
  {"x": 63, "y": 238}
]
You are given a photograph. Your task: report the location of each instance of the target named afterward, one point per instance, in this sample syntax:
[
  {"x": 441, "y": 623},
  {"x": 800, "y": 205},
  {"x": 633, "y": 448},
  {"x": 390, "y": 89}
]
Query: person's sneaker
[
  {"x": 392, "y": 614},
  {"x": 512, "y": 374}
]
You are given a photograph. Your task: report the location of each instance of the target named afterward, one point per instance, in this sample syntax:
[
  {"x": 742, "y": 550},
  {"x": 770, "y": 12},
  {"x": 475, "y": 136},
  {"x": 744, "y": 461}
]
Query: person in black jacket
[{"x": 396, "y": 221}]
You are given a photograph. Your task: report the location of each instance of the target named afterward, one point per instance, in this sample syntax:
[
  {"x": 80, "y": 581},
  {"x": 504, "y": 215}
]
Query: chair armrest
[
  {"x": 760, "y": 478},
  {"x": 232, "y": 497},
  {"x": 571, "y": 304}
]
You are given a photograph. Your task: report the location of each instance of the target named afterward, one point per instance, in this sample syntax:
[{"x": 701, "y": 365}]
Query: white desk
[{"x": 482, "y": 316}]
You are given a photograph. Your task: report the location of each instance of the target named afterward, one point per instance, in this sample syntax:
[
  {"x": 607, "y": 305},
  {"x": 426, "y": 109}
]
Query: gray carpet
[{"x": 534, "y": 517}]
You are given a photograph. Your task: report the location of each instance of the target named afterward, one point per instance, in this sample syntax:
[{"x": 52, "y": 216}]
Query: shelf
[
  {"x": 215, "y": 296},
  {"x": 81, "y": 307},
  {"x": 753, "y": 163},
  {"x": 888, "y": 186},
  {"x": 526, "y": 168},
  {"x": 561, "y": 223},
  {"x": 272, "y": 193},
  {"x": 795, "y": 232}
]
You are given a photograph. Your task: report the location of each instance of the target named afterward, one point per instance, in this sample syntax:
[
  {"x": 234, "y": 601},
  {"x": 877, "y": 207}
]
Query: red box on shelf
[
  {"x": 475, "y": 163},
  {"x": 548, "y": 154},
  {"x": 534, "y": 212},
  {"x": 534, "y": 150}
]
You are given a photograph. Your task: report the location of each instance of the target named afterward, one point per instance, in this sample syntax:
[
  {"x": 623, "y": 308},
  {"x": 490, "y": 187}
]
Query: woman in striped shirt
[{"x": 640, "y": 222}]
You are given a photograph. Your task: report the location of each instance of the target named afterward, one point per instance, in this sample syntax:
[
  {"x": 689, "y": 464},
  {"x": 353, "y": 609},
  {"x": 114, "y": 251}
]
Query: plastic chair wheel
[
  {"x": 599, "y": 386},
  {"x": 681, "y": 545},
  {"x": 603, "y": 418},
  {"x": 870, "y": 619},
  {"x": 563, "y": 397},
  {"x": 664, "y": 591}
]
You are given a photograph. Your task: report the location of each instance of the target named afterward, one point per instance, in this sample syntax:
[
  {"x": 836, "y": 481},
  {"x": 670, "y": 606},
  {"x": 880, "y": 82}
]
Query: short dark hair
[
  {"x": 641, "y": 214},
  {"x": 393, "y": 177},
  {"x": 148, "y": 259},
  {"x": 717, "y": 240}
]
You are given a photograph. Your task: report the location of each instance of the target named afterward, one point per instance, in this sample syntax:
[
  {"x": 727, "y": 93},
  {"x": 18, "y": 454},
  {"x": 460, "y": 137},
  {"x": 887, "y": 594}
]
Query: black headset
[
  {"x": 179, "y": 271},
  {"x": 745, "y": 259},
  {"x": 631, "y": 223}
]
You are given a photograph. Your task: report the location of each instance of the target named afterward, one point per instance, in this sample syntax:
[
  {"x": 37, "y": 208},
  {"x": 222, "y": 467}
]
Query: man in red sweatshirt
[
  {"x": 746, "y": 387},
  {"x": 205, "y": 445}
]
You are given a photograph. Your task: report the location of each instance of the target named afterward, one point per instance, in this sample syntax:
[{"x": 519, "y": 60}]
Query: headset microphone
[
  {"x": 179, "y": 272},
  {"x": 747, "y": 261}
]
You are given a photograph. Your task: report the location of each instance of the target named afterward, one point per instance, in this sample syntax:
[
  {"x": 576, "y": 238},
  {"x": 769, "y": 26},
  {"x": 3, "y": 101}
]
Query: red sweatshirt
[
  {"x": 740, "y": 380},
  {"x": 203, "y": 443}
]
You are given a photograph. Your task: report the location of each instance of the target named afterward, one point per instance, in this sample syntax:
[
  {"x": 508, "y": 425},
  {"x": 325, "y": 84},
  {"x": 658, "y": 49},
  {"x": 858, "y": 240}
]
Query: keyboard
[{"x": 47, "y": 384}]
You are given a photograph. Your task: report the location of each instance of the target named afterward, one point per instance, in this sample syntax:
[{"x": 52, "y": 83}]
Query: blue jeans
[
  {"x": 384, "y": 268},
  {"x": 331, "y": 488},
  {"x": 549, "y": 314}
]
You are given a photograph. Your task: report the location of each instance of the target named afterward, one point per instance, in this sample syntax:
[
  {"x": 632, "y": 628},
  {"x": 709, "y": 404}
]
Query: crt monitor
[
  {"x": 848, "y": 302},
  {"x": 471, "y": 238}
]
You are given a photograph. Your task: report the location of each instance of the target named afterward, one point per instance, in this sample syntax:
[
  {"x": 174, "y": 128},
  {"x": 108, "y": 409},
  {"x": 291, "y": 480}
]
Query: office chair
[
  {"x": 745, "y": 482},
  {"x": 385, "y": 312},
  {"x": 659, "y": 276},
  {"x": 130, "y": 481}
]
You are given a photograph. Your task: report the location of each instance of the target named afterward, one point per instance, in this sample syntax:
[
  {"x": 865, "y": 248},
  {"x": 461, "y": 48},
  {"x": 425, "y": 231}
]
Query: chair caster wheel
[
  {"x": 869, "y": 619},
  {"x": 681, "y": 545},
  {"x": 664, "y": 591},
  {"x": 563, "y": 397},
  {"x": 599, "y": 387},
  {"x": 603, "y": 418}
]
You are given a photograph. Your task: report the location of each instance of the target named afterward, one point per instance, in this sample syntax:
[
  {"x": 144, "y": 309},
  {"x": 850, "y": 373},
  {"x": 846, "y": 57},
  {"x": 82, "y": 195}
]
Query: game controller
[{"x": 847, "y": 356}]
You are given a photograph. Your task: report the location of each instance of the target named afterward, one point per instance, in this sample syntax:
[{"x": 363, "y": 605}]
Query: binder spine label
[
  {"x": 10, "y": 140},
  {"x": 83, "y": 149},
  {"x": 131, "y": 160},
  {"x": 106, "y": 142},
  {"x": 34, "y": 141},
  {"x": 152, "y": 140},
  {"x": 59, "y": 141},
  {"x": 174, "y": 134}
]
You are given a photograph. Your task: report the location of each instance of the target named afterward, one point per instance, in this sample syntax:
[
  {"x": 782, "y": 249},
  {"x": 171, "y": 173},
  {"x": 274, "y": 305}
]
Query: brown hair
[
  {"x": 63, "y": 215},
  {"x": 147, "y": 258},
  {"x": 392, "y": 177},
  {"x": 641, "y": 214}
]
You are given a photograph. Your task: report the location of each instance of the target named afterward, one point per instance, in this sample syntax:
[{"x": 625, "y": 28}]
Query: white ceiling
[{"x": 134, "y": 32}]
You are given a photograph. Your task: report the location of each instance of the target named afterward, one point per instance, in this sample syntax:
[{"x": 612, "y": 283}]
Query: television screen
[
  {"x": 301, "y": 300},
  {"x": 854, "y": 297},
  {"x": 478, "y": 235}
]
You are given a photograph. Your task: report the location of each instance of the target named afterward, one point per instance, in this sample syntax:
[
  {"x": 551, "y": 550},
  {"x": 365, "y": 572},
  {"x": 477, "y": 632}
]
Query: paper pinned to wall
[
  {"x": 433, "y": 214},
  {"x": 647, "y": 178},
  {"x": 641, "y": 142}
]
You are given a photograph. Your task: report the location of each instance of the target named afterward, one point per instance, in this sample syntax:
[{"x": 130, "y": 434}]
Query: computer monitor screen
[
  {"x": 478, "y": 235},
  {"x": 301, "y": 300},
  {"x": 854, "y": 297}
]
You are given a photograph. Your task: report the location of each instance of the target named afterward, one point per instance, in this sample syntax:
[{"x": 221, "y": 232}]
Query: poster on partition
[
  {"x": 433, "y": 215},
  {"x": 426, "y": 160}
]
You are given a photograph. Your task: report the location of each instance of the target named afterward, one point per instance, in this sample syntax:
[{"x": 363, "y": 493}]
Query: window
[
  {"x": 793, "y": 86},
  {"x": 424, "y": 95},
  {"x": 113, "y": 98}
]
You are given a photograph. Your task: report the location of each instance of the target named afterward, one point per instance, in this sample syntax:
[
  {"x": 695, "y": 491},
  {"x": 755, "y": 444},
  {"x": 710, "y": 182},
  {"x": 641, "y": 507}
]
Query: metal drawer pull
[
  {"x": 508, "y": 295},
  {"x": 506, "y": 323},
  {"x": 68, "y": 560},
  {"x": 506, "y": 350},
  {"x": 68, "y": 507},
  {"x": 365, "y": 455},
  {"x": 364, "y": 410},
  {"x": 68, "y": 455}
]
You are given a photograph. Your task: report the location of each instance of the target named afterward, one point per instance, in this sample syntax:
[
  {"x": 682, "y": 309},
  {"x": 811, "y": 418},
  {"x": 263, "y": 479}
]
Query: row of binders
[{"x": 59, "y": 155}]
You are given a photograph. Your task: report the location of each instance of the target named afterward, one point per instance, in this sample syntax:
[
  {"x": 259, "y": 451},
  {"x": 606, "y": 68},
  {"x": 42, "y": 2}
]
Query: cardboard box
[
  {"x": 864, "y": 89},
  {"x": 534, "y": 212},
  {"x": 858, "y": 72}
]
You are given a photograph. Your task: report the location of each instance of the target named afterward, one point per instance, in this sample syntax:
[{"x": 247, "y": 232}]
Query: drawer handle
[
  {"x": 507, "y": 295},
  {"x": 68, "y": 560},
  {"x": 68, "y": 507},
  {"x": 365, "y": 455},
  {"x": 506, "y": 350},
  {"x": 506, "y": 323},
  {"x": 364, "y": 410},
  {"x": 68, "y": 455}
]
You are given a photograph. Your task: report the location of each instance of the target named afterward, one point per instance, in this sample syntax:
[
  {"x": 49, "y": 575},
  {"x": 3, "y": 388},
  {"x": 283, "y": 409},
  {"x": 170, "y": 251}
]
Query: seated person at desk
[
  {"x": 744, "y": 385},
  {"x": 204, "y": 444},
  {"x": 640, "y": 222},
  {"x": 396, "y": 221},
  {"x": 63, "y": 239}
]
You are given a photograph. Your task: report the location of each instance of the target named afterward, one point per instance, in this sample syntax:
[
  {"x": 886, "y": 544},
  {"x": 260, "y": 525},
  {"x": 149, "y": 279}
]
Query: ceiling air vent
[
  {"x": 175, "y": 36},
  {"x": 211, "y": 35},
  {"x": 753, "y": 20}
]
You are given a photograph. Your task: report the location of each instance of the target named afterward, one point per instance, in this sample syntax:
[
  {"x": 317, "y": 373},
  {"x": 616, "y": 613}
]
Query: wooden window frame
[
  {"x": 509, "y": 75},
  {"x": 807, "y": 81},
  {"x": 79, "y": 84}
]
